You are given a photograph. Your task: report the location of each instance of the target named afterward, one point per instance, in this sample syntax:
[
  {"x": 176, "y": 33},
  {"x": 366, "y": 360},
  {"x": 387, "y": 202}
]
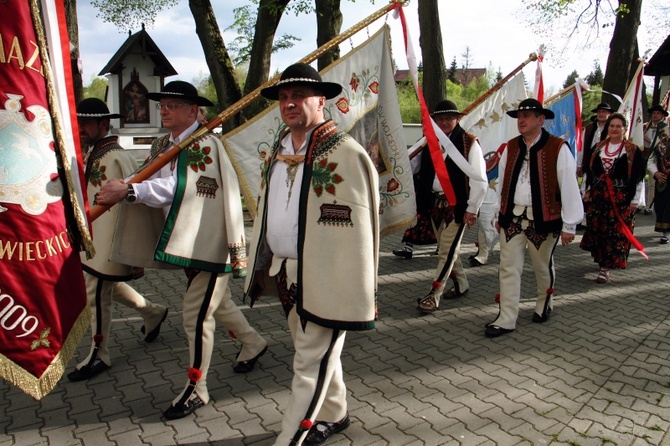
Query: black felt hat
[
  {"x": 531, "y": 104},
  {"x": 180, "y": 90},
  {"x": 302, "y": 74},
  {"x": 603, "y": 106},
  {"x": 658, "y": 107},
  {"x": 446, "y": 107},
  {"x": 94, "y": 108}
]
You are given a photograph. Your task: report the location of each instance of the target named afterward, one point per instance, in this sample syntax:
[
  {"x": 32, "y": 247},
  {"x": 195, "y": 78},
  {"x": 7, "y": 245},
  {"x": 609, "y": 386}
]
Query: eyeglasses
[{"x": 170, "y": 106}]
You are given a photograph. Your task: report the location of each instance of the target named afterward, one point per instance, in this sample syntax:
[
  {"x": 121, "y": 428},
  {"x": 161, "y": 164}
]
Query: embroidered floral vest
[{"x": 545, "y": 191}]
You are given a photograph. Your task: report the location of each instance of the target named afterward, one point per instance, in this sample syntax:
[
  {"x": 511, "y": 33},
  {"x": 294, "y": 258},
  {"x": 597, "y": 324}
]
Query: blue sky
[{"x": 493, "y": 29}]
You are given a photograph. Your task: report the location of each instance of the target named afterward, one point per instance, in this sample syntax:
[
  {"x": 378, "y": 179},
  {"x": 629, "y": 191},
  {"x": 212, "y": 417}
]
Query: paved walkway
[{"x": 597, "y": 373}]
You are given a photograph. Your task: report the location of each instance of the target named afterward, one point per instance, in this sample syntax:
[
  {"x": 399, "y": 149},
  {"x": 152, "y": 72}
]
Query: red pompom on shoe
[
  {"x": 497, "y": 298},
  {"x": 305, "y": 424},
  {"x": 98, "y": 338},
  {"x": 436, "y": 285},
  {"x": 232, "y": 335},
  {"x": 550, "y": 291},
  {"x": 194, "y": 374}
]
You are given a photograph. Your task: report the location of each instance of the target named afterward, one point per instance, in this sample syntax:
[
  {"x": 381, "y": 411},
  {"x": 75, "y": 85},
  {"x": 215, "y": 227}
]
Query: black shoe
[
  {"x": 581, "y": 227},
  {"x": 247, "y": 366},
  {"x": 405, "y": 253},
  {"x": 493, "y": 331},
  {"x": 316, "y": 436},
  {"x": 664, "y": 240},
  {"x": 540, "y": 319},
  {"x": 88, "y": 372},
  {"x": 475, "y": 263},
  {"x": 454, "y": 293},
  {"x": 151, "y": 337},
  {"x": 183, "y": 410}
]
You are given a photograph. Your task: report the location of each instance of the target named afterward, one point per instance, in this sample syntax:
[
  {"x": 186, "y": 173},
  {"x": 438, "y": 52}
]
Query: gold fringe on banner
[
  {"x": 40, "y": 387},
  {"x": 59, "y": 140}
]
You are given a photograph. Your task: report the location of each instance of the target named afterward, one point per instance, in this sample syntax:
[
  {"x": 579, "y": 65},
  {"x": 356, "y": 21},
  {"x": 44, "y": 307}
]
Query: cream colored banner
[{"x": 367, "y": 109}]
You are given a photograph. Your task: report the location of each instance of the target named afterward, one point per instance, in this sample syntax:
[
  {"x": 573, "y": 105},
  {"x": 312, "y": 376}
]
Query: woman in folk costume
[
  {"x": 614, "y": 189},
  {"x": 319, "y": 203},
  {"x": 105, "y": 280},
  {"x": 659, "y": 167}
]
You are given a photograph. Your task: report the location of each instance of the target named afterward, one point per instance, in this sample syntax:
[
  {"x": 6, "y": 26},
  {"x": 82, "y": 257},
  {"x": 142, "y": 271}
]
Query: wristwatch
[{"x": 130, "y": 196}]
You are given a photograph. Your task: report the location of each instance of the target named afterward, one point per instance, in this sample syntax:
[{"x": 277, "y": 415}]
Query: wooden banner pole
[
  {"x": 532, "y": 57},
  {"x": 231, "y": 111}
]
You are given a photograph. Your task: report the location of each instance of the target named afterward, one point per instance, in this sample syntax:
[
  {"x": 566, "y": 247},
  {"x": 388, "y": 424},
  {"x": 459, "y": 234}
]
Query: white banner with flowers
[{"x": 367, "y": 109}]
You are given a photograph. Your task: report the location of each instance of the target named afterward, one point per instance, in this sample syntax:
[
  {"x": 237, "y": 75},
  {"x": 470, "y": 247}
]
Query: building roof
[
  {"x": 139, "y": 43},
  {"x": 659, "y": 64}
]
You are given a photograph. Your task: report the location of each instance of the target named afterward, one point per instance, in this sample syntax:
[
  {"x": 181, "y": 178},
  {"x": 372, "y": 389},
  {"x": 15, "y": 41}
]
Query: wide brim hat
[
  {"x": 657, "y": 107},
  {"x": 531, "y": 104},
  {"x": 180, "y": 90},
  {"x": 302, "y": 74},
  {"x": 603, "y": 106},
  {"x": 94, "y": 108},
  {"x": 446, "y": 107}
]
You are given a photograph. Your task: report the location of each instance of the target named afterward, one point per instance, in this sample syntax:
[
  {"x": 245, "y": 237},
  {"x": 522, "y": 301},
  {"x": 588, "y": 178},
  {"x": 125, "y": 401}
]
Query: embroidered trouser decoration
[
  {"x": 318, "y": 390},
  {"x": 98, "y": 337},
  {"x": 516, "y": 228},
  {"x": 198, "y": 338},
  {"x": 287, "y": 295},
  {"x": 441, "y": 212}
]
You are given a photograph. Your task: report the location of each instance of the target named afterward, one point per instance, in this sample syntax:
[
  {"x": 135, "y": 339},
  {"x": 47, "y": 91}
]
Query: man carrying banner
[
  {"x": 203, "y": 232},
  {"x": 319, "y": 203},
  {"x": 539, "y": 201},
  {"x": 105, "y": 280},
  {"x": 449, "y": 221}
]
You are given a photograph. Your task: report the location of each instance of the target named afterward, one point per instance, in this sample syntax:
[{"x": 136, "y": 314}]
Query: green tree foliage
[
  {"x": 128, "y": 15},
  {"x": 451, "y": 72},
  {"x": 410, "y": 111},
  {"x": 571, "y": 79},
  {"x": 244, "y": 26},
  {"x": 596, "y": 76},
  {"x": 461, "y": 95},
  {"x": 97, "y": 88},
  {"x": 205, "y": 85}
]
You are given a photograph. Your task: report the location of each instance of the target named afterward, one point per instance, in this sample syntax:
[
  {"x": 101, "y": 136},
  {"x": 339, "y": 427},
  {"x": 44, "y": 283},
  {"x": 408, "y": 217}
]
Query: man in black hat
[
  {"x": 105, "y": 280},
  {"x": 592, "y": 134},
  {"x": 539, "y": 204},
  {"x": 653, "y": 133},
  {"x": 450, "y": 219},
  {"x": 204, "y": 233},
  {"x": 317, "y": 236}
]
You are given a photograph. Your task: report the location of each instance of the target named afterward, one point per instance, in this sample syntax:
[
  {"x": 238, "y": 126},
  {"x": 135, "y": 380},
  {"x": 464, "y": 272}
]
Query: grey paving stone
[{"x": 598, "y": 370}]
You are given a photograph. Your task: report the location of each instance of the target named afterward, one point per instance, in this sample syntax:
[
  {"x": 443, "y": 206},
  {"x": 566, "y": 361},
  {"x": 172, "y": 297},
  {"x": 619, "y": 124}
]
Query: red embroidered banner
[{"x": 43, "y": 311}]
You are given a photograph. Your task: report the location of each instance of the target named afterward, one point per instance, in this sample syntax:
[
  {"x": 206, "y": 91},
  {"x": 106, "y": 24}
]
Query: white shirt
[
  {"x": 281, "y": 232},
  {"x": 158, "y": 190},
  {"x": 572, "y": 209}
]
